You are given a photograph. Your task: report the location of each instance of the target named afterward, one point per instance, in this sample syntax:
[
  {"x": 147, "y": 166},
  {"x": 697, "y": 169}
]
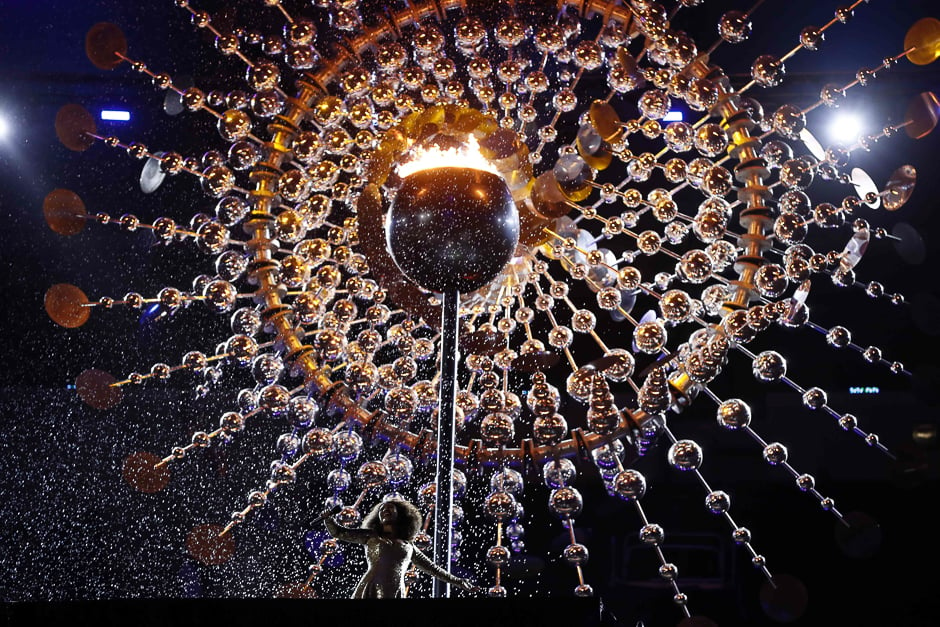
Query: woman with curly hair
[{"x": 387, "y": 533}]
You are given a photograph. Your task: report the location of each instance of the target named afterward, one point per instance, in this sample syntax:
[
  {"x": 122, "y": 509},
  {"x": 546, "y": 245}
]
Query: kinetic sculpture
[{"x": 424, "y": 211}]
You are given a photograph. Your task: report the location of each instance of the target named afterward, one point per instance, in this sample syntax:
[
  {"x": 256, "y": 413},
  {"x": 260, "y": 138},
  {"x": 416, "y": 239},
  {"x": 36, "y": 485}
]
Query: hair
[{"x": 406, "y": 525}]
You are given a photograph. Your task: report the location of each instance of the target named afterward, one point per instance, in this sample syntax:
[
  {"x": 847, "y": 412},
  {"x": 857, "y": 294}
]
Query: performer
[{"x": 387, "y": 533}]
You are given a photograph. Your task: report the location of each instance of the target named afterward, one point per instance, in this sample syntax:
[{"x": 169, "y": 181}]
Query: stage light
[
  {"x": 4, "y": 127},
  {"x": 845, "y": 128},
  {"x": 115, "y": 115}
]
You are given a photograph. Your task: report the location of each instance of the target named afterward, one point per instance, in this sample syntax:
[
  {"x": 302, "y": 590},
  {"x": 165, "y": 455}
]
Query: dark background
[{"x": 72, "y": 529}]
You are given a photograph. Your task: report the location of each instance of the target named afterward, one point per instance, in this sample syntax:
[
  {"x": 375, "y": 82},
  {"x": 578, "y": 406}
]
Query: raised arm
[
  {"x": 347, "y": 534},
  {"x": 425, "y": 565}
]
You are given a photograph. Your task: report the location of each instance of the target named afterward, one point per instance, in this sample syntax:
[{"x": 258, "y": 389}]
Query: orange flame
[{"x": 465, "y": 156}]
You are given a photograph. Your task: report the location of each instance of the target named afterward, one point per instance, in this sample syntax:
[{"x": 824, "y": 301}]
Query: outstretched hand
[{"x": 469, "y": 586}]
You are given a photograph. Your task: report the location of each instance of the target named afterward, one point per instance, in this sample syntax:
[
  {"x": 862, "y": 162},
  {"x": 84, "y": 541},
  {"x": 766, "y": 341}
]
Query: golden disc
[
  {"x": 548, "y": 201},
  {"x": 103, "y": 43},
  {"x": 922, "y": 115},
  {"x": 141, "y": 473},
  {"x": 924, "y": 37},
  {"x": 206, "y": 546},
  {"x": 500, "y": 144},
  {"x": 531, "y": 224},
  {"x": 599, "y": 160},
  {"x": 626, "y": 60},
  {"x": 482, "y": 342},
  {"x": 73, "y": 126},
  {"x": 65, "y": 304},
  {"x": 605, "y": 120},
  {"x": 96, "y": 388},
  {"x": 899, "y": 187},
  {"x": 603, "y": 363},
  {"x": 64, "y": 212},
  {"x": 468, "y": 120}
]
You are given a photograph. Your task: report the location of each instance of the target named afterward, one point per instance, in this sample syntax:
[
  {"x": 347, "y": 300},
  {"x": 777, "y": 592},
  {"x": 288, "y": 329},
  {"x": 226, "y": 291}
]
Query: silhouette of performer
[{"x": 387, "y": 533}]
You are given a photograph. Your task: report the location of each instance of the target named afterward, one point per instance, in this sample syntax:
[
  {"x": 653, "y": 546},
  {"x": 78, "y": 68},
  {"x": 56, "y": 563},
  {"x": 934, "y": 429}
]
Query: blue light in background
[
  {"x": 152, "y": 314},
  {"x": 673, "y": 116}
]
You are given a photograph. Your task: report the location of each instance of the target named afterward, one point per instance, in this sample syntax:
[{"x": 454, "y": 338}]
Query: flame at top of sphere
[{"x": 465, "y": 155}]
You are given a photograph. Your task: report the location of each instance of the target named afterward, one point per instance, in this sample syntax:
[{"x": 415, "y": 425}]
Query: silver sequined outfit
[{"x": 388, "y": 561}]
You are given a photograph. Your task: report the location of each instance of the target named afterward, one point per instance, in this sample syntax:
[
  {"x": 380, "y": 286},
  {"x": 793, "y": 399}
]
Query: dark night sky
[{"x": 70, "y": 528}]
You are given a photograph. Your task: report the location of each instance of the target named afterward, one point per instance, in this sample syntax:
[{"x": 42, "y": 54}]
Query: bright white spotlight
[
  {"x": 114, "y": 115},
  {"x": 673, "y": 116},
  {"x": 845, "y": 128},
  {"x": 4, "y": 127}
]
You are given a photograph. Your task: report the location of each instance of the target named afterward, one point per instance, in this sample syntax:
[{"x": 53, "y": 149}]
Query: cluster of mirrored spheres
[{"x": 584, "y": 209}]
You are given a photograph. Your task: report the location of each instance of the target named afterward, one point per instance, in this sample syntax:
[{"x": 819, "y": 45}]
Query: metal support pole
[{"x": 446, "y": 417}]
